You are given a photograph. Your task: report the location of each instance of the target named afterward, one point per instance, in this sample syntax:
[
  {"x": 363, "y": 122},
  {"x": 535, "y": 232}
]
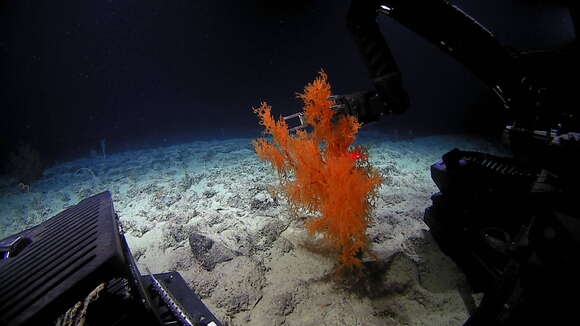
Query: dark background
[{"x": 141, "y": 73}]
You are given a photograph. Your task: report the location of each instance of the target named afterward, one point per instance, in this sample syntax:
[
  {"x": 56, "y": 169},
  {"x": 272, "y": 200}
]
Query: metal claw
[
  {"x": 338, "y": 107},
  {"x": 300, "y": 116}
]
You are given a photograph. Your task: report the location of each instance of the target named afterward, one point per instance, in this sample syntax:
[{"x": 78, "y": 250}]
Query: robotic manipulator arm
[
  {"x": 389, "y": 97},
  {"x": 460, "y": 36},
  {"x": 455, "y": 33},
  {"x": 532, "y": 105}
]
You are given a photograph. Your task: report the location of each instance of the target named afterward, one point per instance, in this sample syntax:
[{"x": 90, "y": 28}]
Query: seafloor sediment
[{"x": 204, "y": 209}]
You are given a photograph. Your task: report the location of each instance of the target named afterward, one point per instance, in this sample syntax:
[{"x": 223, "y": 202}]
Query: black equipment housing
[
  {"x": 46, "y": 269},
  {"x": 515, "y": 233}
]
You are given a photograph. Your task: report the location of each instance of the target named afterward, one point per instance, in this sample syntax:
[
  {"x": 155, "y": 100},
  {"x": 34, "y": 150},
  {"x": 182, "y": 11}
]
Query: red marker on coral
[{"x": 356, "y": 155}]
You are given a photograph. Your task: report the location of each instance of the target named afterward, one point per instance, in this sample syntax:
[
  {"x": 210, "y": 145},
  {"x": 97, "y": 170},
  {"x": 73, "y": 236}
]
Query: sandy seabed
[{"x": 203, "y": 209}]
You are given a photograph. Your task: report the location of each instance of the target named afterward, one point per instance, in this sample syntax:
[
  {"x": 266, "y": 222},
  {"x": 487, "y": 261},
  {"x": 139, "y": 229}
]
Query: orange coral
[{"x": 322, "y": 172}]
